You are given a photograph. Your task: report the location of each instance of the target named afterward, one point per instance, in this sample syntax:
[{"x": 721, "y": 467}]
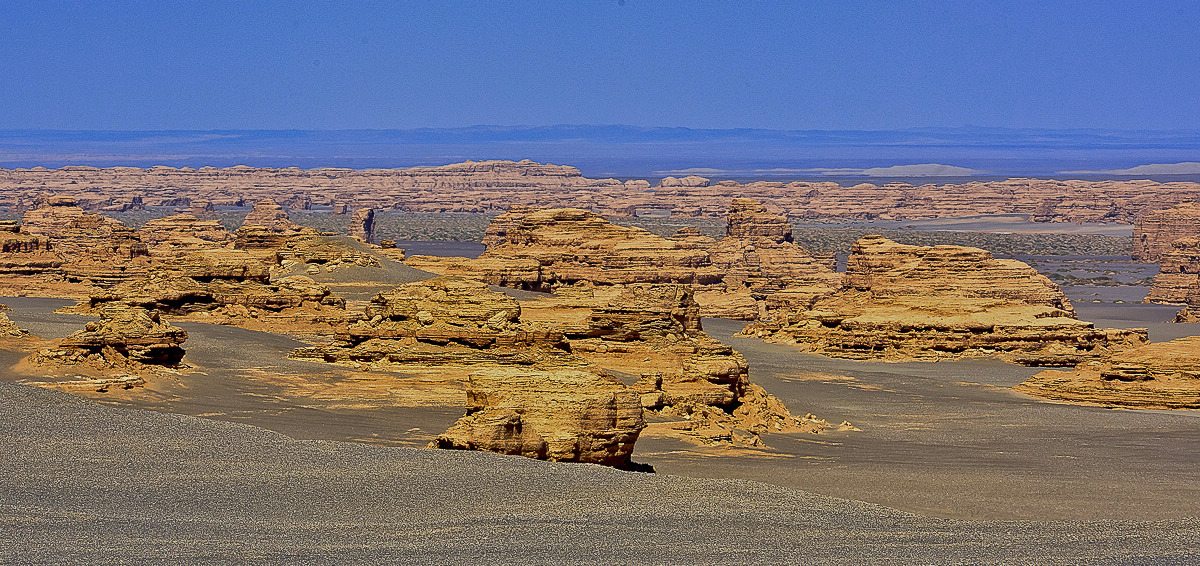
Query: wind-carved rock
[
  {"x": 1163, "y": 375},
  {"x": 229, "y": 287},
  {"x": 124, "y": 337},
  {"x": 527, "y": 394},
  {"x": 565, "y": 415},
  {"x": 362, "y": 225},
  {"x": 544, "y": 249},
  {"x": 1154, "y": 233},
  {"x": 92, "y": 247},
  {"x": 1178, "y": 279},
  {"x": 267, "y": 227},
  {"x": 445, "y": 320},
  {"x": 903, "y": 302},
  {"x": 183, "y": 234}
]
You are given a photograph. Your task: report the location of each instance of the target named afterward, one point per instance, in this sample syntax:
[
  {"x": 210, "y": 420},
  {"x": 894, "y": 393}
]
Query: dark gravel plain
[{"x": 82, "y": 483}]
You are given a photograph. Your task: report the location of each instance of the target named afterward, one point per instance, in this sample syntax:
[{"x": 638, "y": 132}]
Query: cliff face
[
  {"x": 1154, "y": 232},
  {"x": 903, "y": 302},
  {"x": 1178, "y": 273},
  {"x": 492, "y": 186}
]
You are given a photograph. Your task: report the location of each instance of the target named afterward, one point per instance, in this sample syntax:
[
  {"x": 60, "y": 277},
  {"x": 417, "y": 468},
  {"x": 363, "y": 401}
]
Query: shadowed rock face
[
  {"x": 124, "y": 334},
  {"x": 1155, "y": 232},
  {"x": 362, "y": 225},
  {"x": 561, "y": 415},
  {"x": 911, "y": 302}
]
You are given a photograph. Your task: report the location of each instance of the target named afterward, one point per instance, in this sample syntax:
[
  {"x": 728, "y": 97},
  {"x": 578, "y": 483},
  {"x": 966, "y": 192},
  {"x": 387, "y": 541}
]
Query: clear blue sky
[{"x": 839, "y": 64}]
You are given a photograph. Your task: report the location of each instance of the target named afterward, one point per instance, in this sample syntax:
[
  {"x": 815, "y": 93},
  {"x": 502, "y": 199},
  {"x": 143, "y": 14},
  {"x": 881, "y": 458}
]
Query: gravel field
[{"x": 88, "y": 484}]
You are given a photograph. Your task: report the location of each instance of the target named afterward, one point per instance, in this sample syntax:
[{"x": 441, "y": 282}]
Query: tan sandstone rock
[
  {"x": 559, "y": 415},
  {"x": 903, "y": 302}
]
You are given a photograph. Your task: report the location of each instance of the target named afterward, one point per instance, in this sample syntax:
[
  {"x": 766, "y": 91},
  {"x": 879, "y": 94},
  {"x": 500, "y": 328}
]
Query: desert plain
[{"x": 708, "y": 371}]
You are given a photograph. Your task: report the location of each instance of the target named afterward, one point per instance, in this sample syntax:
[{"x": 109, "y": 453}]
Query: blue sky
[{"x": 781, "y": 65}]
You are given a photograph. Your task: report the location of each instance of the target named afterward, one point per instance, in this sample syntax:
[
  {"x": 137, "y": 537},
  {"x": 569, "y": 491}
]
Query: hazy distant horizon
[{"x": 630, "y": 151}]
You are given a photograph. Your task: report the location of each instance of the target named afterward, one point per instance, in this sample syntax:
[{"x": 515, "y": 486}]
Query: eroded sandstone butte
[
  {"x": 494, "y": 186},
  {"x": 527, "y": 394},
  {"x": 900, "y": 302},
  {"x": 123, "y": 337},
  {"x": 92, "y": 248},
  {"x": 1164, "y": 375},
  {"x": 183, "y": 234},
  {"x": 544, "y": 249},
  {"x": 1155, "y": 232},
  {"x": 562, "y": 415}
]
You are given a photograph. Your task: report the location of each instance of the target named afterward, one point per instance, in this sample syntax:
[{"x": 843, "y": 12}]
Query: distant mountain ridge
[{"x": 621, "y": 150}]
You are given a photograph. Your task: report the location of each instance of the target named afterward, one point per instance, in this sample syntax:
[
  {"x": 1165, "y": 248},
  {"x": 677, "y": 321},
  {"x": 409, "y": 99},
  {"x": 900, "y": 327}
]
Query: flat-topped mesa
[
  {"x": 362, "y": 225},
  {"x": 1162, "y": 375},
  {"x": 565, "y": 415},
  {"x": 889, "y": 269},
  {"x": 124, "y": 336},
  {"x": 182, "y": 234},
  {"x": 1154, "y": 232},
  {"x": 539, "y": 249},
  {"x": 912, "y": 302},
  {"x": 749, "y": 218},
  {"x": 444, "y": 320}
]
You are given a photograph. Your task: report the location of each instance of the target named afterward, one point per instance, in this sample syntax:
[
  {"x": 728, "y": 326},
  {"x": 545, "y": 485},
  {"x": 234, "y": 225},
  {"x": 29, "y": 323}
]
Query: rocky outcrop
[
  {"x": 903, "y": 302},
  {"x": 362, "y": 225},
  {"x": 92, "y": 247},
  {"x": 1154, "y": 233},
  {"x": 1163, "y": 375},
  {"x": 441, "y": 321},
  {"x": 1178, "y": 273},
  {"x": 183, "y": 234},
  {"x": 545, "y": 249},
  {"x": 8, "y": 328},
  {"x": 23, "y": 254},
  {"x": 231, "y": 287},
  {"x": 267, "y": 227},
  {"x": 124, "y": 337},
  {"x": 495, "y": 186},
  {"x": 560, "y": 415}
]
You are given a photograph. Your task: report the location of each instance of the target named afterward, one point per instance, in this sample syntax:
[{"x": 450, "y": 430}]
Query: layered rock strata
[
  {"x": 1163, "y": 375},
  {"x": 124, "y": 337},
  {"x": 565, "y": 415},
  {"x": 495, "y": 186},
  {"x": 1155, "y": 232},
  {"x": 441, "y": 321},
  {"x": 183, "y": 234},
  {"x": 903, "y": 302},
  {"x": 229, "y": 287},
  {"x": 92, "y": 247},
  {"x": 545, "y": 249},
  {"x": 267, "y": 227}
]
